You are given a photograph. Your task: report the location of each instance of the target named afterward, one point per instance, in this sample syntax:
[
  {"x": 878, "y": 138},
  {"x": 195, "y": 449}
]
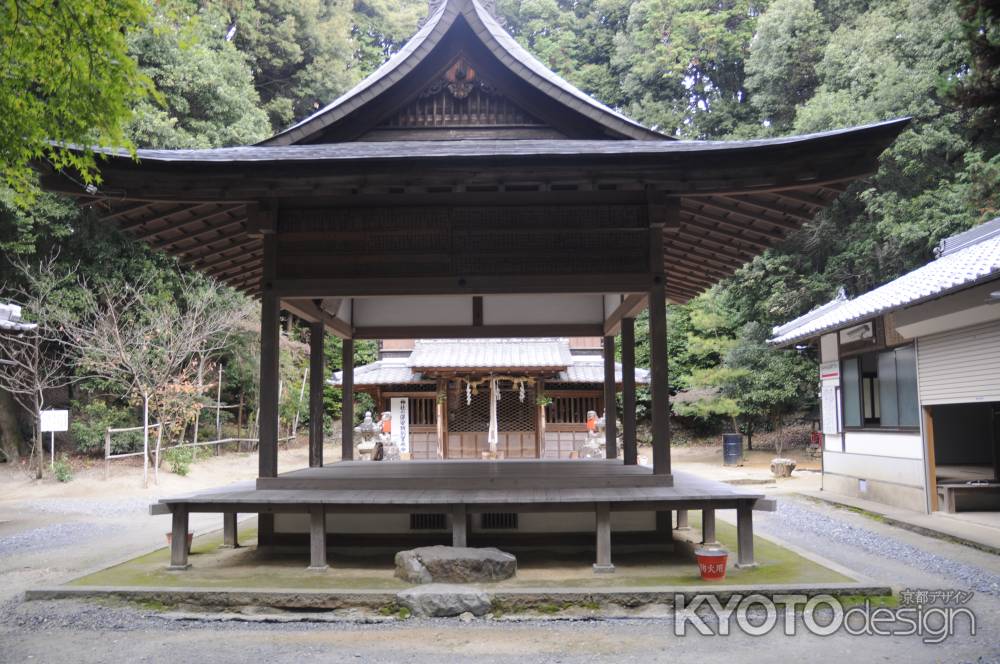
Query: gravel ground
[
  {"x": 795, "y": 519},
  {"x": 56, "y": 536},
  {"x": 74, "y": 631},
  {"x": 103, "y": 507}
]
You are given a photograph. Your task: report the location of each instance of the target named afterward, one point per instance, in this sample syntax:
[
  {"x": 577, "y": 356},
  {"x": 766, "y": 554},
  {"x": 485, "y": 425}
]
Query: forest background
[{"x": 186, "y": 74}]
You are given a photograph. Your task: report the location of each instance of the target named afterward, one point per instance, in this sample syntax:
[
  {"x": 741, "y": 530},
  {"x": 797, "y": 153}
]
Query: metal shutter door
[{"x": 960, "y": 366}]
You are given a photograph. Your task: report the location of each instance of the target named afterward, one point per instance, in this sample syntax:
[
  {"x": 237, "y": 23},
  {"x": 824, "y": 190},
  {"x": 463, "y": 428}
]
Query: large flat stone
[
  {"x": 440, "y": 600},
  {"x": 454, "y": 564}
]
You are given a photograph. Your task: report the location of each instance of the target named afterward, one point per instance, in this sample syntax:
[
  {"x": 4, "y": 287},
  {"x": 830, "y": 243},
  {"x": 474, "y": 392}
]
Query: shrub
[
  {"x": 92, "y": 419},
  {"x": 180, "y": 459},
  {"x": 62, "y": 470}
]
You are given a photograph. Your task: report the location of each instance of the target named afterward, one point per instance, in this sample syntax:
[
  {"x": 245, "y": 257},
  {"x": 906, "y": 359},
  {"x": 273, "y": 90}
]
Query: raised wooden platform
[
  {"x": 468, "y": 474},
  {"x": 459, "y": 488}
]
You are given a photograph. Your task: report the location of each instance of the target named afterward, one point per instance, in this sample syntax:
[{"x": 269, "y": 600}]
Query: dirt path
[{"x": 50, "y": 531}]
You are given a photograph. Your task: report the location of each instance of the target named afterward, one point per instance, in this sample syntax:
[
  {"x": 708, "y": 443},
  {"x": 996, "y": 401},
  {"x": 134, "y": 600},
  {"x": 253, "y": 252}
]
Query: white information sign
[
  {"x": 400, "y": 407},
  {"x": 54, "y": 420},
  {"x": 831, "y": 407}
]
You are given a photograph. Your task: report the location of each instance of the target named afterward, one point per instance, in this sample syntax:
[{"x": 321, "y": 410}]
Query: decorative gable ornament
[{"x": 461, "y": 79}]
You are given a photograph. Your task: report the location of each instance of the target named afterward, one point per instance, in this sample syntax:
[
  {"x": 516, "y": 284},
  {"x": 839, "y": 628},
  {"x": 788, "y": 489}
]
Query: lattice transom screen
[
  {"x": 512, "y": 413},
  {"x": 572, "y": 409}
]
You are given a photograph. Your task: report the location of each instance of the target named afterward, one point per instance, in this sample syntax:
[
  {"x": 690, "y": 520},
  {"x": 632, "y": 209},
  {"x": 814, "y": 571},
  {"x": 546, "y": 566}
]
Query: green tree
[
  {"x": 781, "y": 69},
  {"x": 300, "y": 52},
  {"x": 65, "y": 78},
  {"x": 207, "y": 98},
  {"x": 574, "y": 39},
  {"x": 681, "y": 64}
]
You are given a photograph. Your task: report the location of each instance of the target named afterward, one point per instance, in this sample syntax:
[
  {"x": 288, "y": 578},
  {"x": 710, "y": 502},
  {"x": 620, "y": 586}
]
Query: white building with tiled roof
[{"x": 910, "y": 376}]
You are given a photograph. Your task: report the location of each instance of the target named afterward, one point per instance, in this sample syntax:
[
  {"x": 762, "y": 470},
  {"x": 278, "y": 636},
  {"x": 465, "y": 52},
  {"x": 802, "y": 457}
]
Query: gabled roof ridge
[
  {"x": 812, "y": 314},
  {"x": 494, "y": 37}
]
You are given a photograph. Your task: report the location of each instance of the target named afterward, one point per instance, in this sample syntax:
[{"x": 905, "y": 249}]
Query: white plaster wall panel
[
  {"x": 566, "y": 308},
  {"x": 901, "y": 445},
  {"x": 611, "y": 302},
  {"x": 908, "y": 472},
  {"x": 828, "y": 349},
  {"x": 953, "y": 312},
  {"x": 413, "y": 310}
]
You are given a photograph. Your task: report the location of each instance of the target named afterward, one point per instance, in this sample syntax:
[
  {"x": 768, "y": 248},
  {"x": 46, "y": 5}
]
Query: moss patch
[{"x": 214, "y": 567}]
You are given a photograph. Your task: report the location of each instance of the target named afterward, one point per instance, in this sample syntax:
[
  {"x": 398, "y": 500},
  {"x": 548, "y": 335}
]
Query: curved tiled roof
[
  {"x": 959, "y": 269},
  {"x": 468, "y": 354}
]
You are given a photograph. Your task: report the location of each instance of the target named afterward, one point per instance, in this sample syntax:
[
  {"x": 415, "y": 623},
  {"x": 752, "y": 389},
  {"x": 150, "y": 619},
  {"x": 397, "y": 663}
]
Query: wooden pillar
[
  {"x": 317, "y": 538},
  {"x": 682, "y": 520},
  {"x": 459, "y": 525},
  {"x": 659, "y": 381},
  {"x": 230, "y": 539},
  {"x": 630, "y": 450},
  {"x": 267, "y": 409},
  {"x": 178, "y": 538},
  {"x": 744, "y": 535},
  {"x": 317, "y": 374},
  {"x": 708, "y": 526},
  {"x": 439, "y": 410},
  {"x": 603, "y": 564},
  {"x": 610, "y": 404},
  {"x": 267, "y": 446},
  {"x": 540, "y": 418},
  {"x": 347, "y": 409},
  {"x": 931, "y": 463}
]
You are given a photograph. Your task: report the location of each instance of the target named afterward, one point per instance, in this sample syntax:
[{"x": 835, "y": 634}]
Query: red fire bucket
[{"x": 712, "y": 563}]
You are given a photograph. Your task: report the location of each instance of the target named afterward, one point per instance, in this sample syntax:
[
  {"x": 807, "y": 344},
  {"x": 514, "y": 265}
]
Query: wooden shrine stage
[{"x": 461, "y": 488}]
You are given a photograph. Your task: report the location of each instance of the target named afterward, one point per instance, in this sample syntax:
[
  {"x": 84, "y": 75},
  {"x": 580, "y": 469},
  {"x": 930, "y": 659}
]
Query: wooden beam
[
  {"x": 235, "y": 263},
  {"x": 730, "y": 206},
  {"x": 197, "y": 214},
  {"x": 631, "y": 305},
  {"x": 716, "y": 225},
  {"x": 770, "y": 206},
  {"x": 310, "y": 311},
  {"x": 125, "y": 211},
  {"x": 814, "y": 202},
  {"x": 693, "y": 253},
  {"x": 234, "y": 219},
  {"x": 478, "y": 285},
  {"x": 231, "y": 241},
  {"x": 685, "y": 262},
  {"x": 472, "y": 332},
  {"x": 689, "y": 281},
  {"x": 252, "y": 277},
  {"x": 715, "y": 245}
]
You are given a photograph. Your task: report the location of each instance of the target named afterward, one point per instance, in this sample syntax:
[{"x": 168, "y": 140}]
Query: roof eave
[{"x": 881, "y": 311}]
